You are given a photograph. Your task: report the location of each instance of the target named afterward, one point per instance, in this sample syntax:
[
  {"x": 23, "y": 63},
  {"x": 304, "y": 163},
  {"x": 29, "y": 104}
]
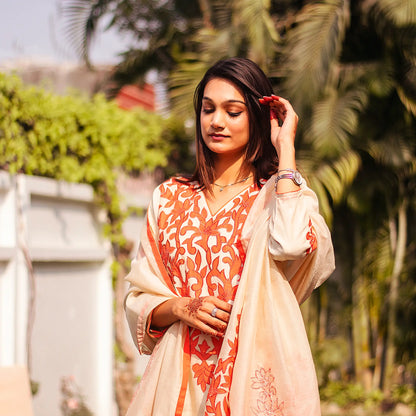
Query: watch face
[{"x": 297, "y": 178}]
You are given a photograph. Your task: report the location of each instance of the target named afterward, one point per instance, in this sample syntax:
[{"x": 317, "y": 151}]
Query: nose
[{"x": 217, "y": 120}]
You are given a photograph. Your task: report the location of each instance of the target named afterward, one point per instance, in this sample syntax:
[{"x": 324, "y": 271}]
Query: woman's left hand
[{"x": 281, "y": 109}]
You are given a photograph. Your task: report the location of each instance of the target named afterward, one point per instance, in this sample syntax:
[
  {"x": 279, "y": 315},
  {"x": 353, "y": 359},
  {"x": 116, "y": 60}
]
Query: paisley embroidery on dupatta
[{"x": 267, "y": 402}]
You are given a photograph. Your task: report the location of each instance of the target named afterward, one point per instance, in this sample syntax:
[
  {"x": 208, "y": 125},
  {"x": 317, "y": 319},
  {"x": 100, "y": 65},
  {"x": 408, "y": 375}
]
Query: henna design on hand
[{"x": 193, "y": 306}]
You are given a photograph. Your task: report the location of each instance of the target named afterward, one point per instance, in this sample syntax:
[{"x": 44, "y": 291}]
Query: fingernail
[
  {"x": 275, "y": 97},
  {"x": 268, "y": 99},
  {"x": 273, "y": 115},
  {"x": 262, "y": 101}
]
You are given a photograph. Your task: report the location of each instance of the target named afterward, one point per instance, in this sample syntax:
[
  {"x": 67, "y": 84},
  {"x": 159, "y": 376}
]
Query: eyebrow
[{"x": 227, "y": 101}]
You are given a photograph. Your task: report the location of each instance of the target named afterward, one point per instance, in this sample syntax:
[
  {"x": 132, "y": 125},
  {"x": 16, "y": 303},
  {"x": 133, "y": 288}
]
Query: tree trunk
[
  {"x": 399, "y": 254},
  {"x": 360, "y": 321},
  {"x": 378, "y": 360}
]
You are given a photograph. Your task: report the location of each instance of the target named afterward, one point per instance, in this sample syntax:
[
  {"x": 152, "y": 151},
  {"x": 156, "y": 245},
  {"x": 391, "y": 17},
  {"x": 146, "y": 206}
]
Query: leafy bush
[
  {"x": 329, "y": 357},
  {"x": 77, "y": 139},
  {"x": 74, "y": 138},
  {"x": 405, "y": 394},
  {"x": 346, "y": 394}
]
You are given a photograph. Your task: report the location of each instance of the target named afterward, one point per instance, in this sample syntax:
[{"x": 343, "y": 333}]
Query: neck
[{"x": 229, "y": 170}]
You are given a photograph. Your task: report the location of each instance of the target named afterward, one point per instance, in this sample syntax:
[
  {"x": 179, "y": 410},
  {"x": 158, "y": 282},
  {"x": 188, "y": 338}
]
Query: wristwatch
[{"x": 291, "y": 174}]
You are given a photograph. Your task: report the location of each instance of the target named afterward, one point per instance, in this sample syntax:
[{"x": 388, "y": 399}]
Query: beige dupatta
[{"x": 265, "y": 366}]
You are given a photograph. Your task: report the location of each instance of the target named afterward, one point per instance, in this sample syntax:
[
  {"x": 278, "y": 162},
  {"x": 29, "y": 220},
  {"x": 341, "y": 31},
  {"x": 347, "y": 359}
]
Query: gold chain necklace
[{"x": 231, "y": 184}]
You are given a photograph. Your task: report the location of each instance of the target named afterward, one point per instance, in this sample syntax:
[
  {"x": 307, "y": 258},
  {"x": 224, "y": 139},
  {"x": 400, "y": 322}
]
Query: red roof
[{"x": 131, "y": 96}]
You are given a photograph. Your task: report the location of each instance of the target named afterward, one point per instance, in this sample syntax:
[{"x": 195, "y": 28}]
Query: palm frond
[
  {"x": 222, "y": 14},
  {"x": 183, "y": 81},
  {"x": 136, "y": 63},
  {"x": 82, "y": 17},
  {"x": 399, "y": 12},
  {"x": 216, "y": 44},
  {"x": 377, "y": 77},
  {"x": 377, "y": 259},
  {"x": 406, "y": 90},
  {"x": 393, "y": 151},
  {"x": 312, "y": 47},
  {"x": 338, "y": 175},
  {"x": 329, "y": 179},
  {"x": 211, "y": 45},
  {"x": 254, "y": 19},
  {"x": 334, "y": 120}
]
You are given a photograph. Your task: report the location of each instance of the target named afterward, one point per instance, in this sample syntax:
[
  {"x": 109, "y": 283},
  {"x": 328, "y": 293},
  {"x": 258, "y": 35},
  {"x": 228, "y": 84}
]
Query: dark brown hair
[{"x": 253, "y": 84}]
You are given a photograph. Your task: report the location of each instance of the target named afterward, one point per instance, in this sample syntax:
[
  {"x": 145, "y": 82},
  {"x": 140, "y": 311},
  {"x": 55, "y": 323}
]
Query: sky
[{"x": 33, "y": 29}]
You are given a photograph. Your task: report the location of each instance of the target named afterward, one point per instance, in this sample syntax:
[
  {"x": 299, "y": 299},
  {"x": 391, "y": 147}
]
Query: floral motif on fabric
[
  {"x": 203, "y": 255},
  {"x": 311, "y": 237},
  {"x": 218, "y": 402},
  {"x": 267, "y": 402}
]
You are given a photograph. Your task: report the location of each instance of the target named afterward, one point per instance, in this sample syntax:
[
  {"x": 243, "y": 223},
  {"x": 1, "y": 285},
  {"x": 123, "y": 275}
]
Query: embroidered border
[{"x": 311, "y": 237}]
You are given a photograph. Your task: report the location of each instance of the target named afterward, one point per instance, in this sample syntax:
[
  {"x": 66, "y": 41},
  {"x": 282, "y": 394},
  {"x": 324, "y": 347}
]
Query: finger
[
  {"x": 207, "y": 329},
  {"x": 221, "y": 304},
  {"x": 217, "y": 323},
  {"x": 211, "y": 301},
  {"x": 283, "y": 112},
  {"x": 281, "y": 115},
  {"x": 268, "y": 98},
  {"x": 279, "y": 104},
  {"x": 204, "y": 322},
  {"x": 219, "y": 315}
]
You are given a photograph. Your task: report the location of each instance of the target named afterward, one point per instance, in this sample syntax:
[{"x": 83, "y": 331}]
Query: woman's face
[{"x": 224, "y": 118}]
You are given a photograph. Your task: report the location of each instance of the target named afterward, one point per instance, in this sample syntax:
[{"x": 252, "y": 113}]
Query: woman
[{"x": 225, "y": 260}]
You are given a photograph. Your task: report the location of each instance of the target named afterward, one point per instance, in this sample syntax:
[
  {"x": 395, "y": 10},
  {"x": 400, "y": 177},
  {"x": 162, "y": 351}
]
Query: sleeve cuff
[{"x": 153, "y": 332}]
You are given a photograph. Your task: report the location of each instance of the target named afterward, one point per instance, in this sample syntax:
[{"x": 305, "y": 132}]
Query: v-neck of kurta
[{"x": 222, "y": 208}]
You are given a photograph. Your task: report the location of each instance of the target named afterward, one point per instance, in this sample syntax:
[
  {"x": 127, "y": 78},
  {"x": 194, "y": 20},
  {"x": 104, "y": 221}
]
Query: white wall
[
  {"x": 72, "y": 333},
  {"x": 59, "y": 227}
]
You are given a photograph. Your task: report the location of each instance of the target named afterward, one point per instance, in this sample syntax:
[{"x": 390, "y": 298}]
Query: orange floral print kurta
[
  {"x": 203, "y": 256},
  {"x": 266, "y": 253}
]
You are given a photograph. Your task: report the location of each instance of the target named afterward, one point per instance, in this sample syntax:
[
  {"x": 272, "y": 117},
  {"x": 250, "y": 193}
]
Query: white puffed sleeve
[{"x": 300, "y": 241}]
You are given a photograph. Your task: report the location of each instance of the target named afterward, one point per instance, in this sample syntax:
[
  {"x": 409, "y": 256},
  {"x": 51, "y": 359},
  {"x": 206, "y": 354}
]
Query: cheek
[
  {"x": 204, "y": 122},
  {"x": 241, "y": 127}
]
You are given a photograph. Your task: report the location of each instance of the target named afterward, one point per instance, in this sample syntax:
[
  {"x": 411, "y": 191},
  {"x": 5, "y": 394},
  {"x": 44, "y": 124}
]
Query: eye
[
  {"x": 234, "y": 114},
  {"x": 207, "y": 110}
]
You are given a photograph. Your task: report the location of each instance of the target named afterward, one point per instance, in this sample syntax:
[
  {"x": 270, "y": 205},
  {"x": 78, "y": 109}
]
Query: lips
[{"x": 216, "y": 136}]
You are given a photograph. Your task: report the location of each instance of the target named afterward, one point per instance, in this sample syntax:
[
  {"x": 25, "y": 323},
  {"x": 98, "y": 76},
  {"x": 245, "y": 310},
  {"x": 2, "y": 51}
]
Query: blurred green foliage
[
  {"x": 406, "y": 394},
  {"x": 77, "y": 139},
  {"x": 74, "y": 138},
  {"x": 352, "y": 394},
  {"x": 330, "y": 358},
  {"x": 344, "y": 394}
]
